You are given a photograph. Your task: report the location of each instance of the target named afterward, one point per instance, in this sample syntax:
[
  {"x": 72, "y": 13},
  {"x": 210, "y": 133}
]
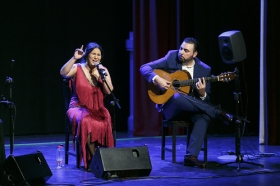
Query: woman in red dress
[{"x": 91, "y": 121}]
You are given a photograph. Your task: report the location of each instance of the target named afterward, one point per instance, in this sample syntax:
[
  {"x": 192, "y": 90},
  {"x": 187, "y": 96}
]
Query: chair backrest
[{"x": 66, "y": 93}]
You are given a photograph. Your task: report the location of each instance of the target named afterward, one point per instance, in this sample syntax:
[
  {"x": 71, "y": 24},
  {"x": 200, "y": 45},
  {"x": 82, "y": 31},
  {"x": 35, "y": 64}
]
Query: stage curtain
[
  {"x": 273, "y": 67},
  {"x": 158, "y": 27}
]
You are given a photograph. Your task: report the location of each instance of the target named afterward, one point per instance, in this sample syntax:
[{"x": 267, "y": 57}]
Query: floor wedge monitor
[
  {"x": 121, "y": 162},
  {"x": 30, "y": 169}
]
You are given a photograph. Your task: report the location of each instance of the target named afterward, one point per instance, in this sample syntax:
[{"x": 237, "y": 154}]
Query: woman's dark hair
[
  {"x": 89, "y": 48},
  {"x": 193, "y": 41}
]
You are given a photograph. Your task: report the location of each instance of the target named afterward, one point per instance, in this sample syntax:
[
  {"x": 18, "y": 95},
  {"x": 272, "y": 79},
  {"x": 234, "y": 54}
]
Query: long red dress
[{"x": 88, "y": 114}]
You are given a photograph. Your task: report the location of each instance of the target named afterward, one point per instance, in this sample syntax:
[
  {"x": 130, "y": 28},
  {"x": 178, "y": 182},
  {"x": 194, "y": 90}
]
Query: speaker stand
[
  {"x": 239, "y": 156},
  {"x": 238, "y": 122}
]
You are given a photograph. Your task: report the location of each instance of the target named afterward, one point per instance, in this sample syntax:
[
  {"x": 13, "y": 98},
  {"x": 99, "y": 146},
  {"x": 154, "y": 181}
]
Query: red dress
[{"x": 88, "y": 114}]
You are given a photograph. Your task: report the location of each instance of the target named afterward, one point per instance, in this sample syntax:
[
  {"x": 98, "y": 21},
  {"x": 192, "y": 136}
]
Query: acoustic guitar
[{"x": 180, "y": 82}]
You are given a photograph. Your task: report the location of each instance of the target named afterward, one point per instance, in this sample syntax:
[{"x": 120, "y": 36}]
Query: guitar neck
[{"x": 193, "y": 81}]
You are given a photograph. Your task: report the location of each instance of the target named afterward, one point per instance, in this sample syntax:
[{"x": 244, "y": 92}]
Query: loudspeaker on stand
[{"x": 232, "y": 46}]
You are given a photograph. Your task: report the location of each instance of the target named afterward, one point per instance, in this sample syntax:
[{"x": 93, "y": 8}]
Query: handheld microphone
[{"x": 102, "y": 72}]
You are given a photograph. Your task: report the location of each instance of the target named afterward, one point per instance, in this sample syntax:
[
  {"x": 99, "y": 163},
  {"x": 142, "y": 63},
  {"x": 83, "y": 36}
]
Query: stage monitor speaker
[
  {"x": 30, "y": 169},
  {"x": 232, "y": 46},
  {"x": 108, "y": 163}
]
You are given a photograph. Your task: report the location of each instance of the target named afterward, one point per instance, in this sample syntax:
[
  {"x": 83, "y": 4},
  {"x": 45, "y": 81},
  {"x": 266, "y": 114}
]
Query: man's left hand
[{"x": 201, "y": 86}]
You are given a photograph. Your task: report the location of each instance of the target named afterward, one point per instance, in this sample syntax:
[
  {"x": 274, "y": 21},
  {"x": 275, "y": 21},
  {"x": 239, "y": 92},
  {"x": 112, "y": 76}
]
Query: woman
[{"x": 91, "y": 121}]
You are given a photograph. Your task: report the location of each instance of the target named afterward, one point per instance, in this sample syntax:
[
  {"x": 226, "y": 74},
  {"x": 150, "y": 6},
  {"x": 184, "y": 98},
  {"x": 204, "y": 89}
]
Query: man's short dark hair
[{"x": 192, "y": 40}]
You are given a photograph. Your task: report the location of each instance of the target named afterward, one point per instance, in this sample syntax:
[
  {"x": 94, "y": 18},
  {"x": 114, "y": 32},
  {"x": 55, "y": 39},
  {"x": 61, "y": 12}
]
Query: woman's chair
[
  {"x": 175, "y": 124},
  {"x": 68, "y": 126}
]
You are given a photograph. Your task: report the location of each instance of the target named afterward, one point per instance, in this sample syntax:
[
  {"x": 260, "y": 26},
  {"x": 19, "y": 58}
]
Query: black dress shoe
[
  {"x": 192, "y": 161},
  {"x": 227, "y": 118}
]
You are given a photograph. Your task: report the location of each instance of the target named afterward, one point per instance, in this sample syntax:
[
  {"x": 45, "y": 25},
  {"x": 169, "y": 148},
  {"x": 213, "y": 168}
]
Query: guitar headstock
[{"x": 226, "y": 76}]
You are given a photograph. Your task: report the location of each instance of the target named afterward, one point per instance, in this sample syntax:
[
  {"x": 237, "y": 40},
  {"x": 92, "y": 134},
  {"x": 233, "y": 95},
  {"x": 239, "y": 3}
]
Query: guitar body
[
  {"x": 180, "y": 82},
  {"x": 160, "y": 97}
]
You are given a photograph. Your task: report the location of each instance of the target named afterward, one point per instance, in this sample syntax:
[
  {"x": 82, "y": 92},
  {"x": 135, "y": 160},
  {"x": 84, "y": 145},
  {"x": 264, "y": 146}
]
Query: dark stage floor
[{"x": 220, "y": 150}]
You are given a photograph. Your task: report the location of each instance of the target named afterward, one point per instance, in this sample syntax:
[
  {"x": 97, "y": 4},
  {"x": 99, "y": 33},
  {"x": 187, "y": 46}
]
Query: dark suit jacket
[{"x": 171, "y": 63}]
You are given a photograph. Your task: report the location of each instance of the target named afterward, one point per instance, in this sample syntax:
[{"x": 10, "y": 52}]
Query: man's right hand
[{"x": 162, "y": 83}]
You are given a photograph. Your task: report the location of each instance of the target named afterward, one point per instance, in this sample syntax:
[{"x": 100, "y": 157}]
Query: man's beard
[{"x": 187, "y": 60}]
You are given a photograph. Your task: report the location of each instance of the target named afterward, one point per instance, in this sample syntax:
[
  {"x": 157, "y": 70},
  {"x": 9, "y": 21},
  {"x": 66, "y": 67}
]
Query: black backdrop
[{"x": 41, "y": 36}]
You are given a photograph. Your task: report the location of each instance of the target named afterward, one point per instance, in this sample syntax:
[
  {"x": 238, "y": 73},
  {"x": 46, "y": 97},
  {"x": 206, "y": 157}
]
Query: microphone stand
[
  {"x": 113, "y": 103},
  {"x": 2, "y": 147},
  {"x": 10, "y": 105}
]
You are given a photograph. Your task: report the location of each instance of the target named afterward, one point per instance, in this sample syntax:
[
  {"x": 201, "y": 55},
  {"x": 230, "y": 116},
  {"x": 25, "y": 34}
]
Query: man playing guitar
[{"x": 195, "y": 102}]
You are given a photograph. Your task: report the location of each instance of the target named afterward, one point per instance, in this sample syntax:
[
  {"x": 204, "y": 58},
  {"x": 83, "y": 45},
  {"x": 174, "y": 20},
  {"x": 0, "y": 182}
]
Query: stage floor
[{"x": 164, "y": 172}]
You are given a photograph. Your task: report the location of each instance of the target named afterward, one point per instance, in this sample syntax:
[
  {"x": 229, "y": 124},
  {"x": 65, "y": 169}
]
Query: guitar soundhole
[{"x": 176, "y": 84}]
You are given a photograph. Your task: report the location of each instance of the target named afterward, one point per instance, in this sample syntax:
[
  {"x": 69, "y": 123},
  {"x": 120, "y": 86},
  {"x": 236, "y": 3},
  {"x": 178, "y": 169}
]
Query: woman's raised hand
[{"x": 79, "y": 53}]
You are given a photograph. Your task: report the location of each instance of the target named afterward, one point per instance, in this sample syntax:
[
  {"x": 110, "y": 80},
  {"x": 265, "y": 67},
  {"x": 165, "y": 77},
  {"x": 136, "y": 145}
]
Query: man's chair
[
  {"x": 68, "y": 126},
  {"x": 175, "y": 124}
]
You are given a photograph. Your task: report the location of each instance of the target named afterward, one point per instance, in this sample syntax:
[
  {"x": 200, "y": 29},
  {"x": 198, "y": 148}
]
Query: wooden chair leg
[
  {"x": 66, "y": 148},
  {"x": 77, "y": 148},
  {"x": 174, "y": 130},
  {"x": 188, "y": 133},
  {"x": 163, "y": 142},
  {"x": 205, "y": 148}
]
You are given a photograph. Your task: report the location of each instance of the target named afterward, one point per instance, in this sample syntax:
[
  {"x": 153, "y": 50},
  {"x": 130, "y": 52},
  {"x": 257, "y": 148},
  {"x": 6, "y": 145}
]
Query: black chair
[
  {"x": 68, "y": 126},
  {"x": 175, "y": 124}
]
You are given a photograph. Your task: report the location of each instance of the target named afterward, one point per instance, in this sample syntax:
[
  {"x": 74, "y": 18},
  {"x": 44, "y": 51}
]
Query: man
[{"x": 195, "y": 103}]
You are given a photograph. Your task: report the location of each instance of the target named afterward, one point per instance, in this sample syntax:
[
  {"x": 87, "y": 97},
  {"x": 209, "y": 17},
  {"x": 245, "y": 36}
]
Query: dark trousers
[{"x": 184, "y": 107}]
